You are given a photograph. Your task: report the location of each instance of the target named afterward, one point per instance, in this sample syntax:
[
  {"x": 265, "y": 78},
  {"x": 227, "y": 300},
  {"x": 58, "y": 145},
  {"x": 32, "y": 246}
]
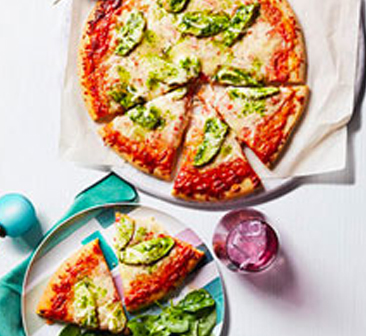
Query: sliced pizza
[
  {"x": 213, "y": 166},
  {"x": 149, "y": 135},
  {"x": 244, "y": 43},
  {"x": 82, "y": 292},
  {"x": 262, "y": 118},
  {"x": 122, "y": 57},
  {"x": 152, "y": 263}
]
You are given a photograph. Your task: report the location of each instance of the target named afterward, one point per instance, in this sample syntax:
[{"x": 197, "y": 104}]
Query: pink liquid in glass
[{"x": 244, "y": 242}]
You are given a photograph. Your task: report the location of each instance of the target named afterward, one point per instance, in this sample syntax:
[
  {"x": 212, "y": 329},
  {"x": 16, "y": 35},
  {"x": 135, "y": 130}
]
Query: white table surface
[{"x": 318, "y": 288}]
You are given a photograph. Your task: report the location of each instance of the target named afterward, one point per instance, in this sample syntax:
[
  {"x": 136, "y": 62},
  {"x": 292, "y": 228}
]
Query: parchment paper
[{"x": 331, "y": 29}]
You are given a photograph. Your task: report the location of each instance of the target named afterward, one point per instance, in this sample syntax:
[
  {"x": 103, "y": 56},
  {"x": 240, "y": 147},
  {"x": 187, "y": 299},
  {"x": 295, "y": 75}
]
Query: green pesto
[
  {"x": 131, "y": 33},
  {"x": 147, "y": 252},
  {"x": 140, "y": 234},
  {"x": 173, "y": 75},
  {"x": 229, "y": 75},
  {"x": 125, "y": 228},
  {"x": 125, "y": 95},
  {"x": 174, "y": 6},
  {"x": 214, "y": 135},
  {"x": 148, "y": 118},
  {"x": 116, "y": 318},
  {"x": 254, "y": 99},
  {"x": 244, "y": 18},
  {"x": 85, "y": 304},
  {"x": 203, "y": 23}
]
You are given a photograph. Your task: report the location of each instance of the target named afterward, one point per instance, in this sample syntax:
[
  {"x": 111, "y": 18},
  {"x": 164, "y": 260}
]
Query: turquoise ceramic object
[{"x": 17, "y": 215}]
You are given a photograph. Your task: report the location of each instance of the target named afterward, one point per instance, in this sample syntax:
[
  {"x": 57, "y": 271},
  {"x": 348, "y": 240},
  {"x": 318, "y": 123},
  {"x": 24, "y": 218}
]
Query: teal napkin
[{"x": 111, "y": 189}]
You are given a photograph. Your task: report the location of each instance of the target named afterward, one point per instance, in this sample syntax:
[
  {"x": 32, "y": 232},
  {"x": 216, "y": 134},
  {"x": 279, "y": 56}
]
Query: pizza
[
  {"x": 262, "y": 118},
  {"x": 82, "y": 292},
  {"x": 149, "y": 135},
  {"x": 152, "y": 263},
  {"x": 214, "y": 166},
  {"x": 137, "y": 56}
]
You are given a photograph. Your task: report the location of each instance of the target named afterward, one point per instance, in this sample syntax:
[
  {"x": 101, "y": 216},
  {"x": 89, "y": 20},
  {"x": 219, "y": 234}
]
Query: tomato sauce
[
  {"x": 64, "y": 286},
  {"x": 214, "y": 182},
  {"x": 165, "y": 279},
  {"x": 152, "y": 156},
  {"x": 269, "y": 135}
]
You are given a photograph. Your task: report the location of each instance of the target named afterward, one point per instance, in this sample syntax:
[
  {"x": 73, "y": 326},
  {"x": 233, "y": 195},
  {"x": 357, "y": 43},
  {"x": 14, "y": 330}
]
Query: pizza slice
[
  {"x": 214, "y": 166},
  {"x": 152, "y": 263},
  {"x": 262, "y": 118},
  {"x": 148, "y": 136},
  {"x": 82, "y": 292}
]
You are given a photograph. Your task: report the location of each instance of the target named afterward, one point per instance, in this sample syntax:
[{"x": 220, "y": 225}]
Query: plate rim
[{"x": 53, "y": 230}]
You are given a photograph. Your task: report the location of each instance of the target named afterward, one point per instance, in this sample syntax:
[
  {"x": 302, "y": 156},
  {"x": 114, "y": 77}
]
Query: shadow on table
[
  {"x": 278, "y": 281},
  {"x": 30, "y": 240}
]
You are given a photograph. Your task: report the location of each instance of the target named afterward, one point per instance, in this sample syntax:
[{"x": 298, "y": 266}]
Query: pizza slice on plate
[
  {"x": 262, "y": 118},
  {"x": 213, "y": 166},
  {"x": 152, "y": 263},
  {"x": 148, "y": 135},
  {"x": 82, "y": 292}
]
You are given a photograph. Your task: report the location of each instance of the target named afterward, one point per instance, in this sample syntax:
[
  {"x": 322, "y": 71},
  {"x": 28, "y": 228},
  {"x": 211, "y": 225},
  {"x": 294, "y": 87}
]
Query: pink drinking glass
[{"x": 245, "y": 242}]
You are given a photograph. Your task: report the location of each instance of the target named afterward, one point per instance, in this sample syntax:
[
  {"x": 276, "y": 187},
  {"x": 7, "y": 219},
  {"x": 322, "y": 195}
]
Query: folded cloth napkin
[{"x": 111, "y": 189}]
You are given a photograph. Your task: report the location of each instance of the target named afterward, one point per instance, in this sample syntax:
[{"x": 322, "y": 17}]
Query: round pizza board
[
  {"x": 97, "y": 222},
  {"x": 272, "y": 187}
]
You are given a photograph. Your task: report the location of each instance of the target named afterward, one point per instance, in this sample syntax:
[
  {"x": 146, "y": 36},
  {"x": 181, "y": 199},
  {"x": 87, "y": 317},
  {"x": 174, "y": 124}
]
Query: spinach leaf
[
  {"x": 176, "y": 320},
  {"x": 70, "y": 330},
  {"x": 197, "y": 300},
  {"x": 207, "y": 322}
]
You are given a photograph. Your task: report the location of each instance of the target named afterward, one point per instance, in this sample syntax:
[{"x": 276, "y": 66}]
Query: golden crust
[
  {"x": 236, "y": 191},
  {"x": 157, "y": 172},
  {"x": 291, "y": 126},
  {"x": 88, "y": 99},
  {"x": 297, "y": 77}
]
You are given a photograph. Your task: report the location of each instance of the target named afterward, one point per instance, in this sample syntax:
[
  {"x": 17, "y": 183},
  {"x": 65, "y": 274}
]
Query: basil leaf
[
  {"x": 70, "y": 330},
  {"x": 253, "y": 99},
  {"x": 203, "y": 23},
  {"x": 196, "y": 301},
  {"x": 243, "y": 18},
  {"x": 149, "y": 118},
  {"x": 125, "y": 228},
  {"x": 253, "y": 93},
  {"x": 174, "y": 6},
  {"x": 234, "y": 76},
  {"x": 131, "y": 33},
  {"x": 214, "y": 135},
  {"x": 148, "y": 251}
]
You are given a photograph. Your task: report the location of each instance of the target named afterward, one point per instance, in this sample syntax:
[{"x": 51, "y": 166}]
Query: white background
[{"x": 317, "y": 288}]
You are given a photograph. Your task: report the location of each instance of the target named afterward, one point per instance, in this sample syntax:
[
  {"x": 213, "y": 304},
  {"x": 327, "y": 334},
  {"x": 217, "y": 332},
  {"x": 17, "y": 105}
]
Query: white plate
[{"x": 69, "y": 236}]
